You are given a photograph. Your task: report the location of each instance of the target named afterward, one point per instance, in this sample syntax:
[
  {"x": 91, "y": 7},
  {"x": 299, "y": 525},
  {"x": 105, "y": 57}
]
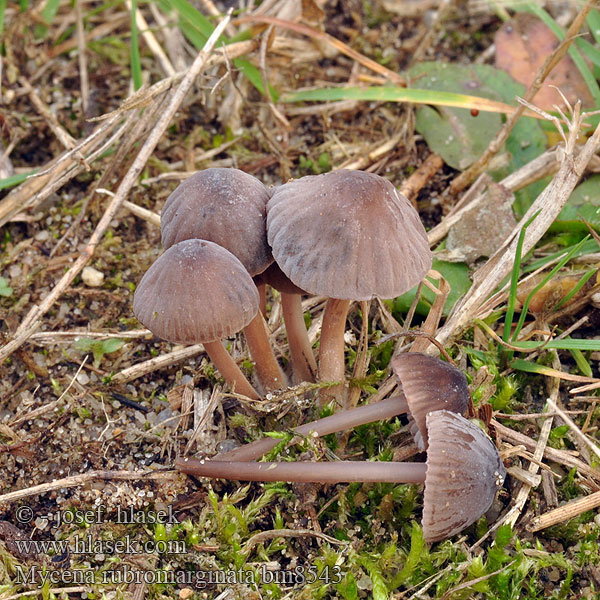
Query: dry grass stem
[
  {"x": 32, "y": 322},
  {"x": 564, "y": 513},
  {"x": 560, "y": 457},
  {"x": 159, "y": 362},
  {"x": 574, "y": 428},
  {"x": 141, "y": 212},
  {"x": 83, "y": 479}
]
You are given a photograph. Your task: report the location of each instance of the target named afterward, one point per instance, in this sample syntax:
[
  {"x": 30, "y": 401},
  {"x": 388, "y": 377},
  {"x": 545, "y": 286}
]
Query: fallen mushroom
[
  {"x": 228, "y": 207},
  {"x": 198, "y": 292},
  {"x": 462, "y": 474},
  {"x": 348, "y": 235},
  {"x": 428, "y": 384}
]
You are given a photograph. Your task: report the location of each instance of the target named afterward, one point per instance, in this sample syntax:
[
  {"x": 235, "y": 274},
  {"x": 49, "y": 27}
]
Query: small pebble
[
  {"x": 83, "y": 378},
  {"x": 92, "y": 277}
]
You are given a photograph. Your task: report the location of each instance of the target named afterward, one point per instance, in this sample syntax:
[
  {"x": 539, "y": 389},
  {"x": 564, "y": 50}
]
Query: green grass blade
[
  {"x": 193, "y": 16},
  {"x": 582, "y": 364},
  {"x": 2, "y": 13},
  {"x": 588, "y": 247},
  {"x": 542, "y": 283},
  {"x": 564, "y": 344},
  {"x": 254, "y": 77},
  {"x": 48, "y": 13},
  {"x": 14, "y": 180},
  {"x": 591, "y": 52},
  {"x": 136, "y": 65},
  {"x": 593, "y": 21},
  {"x": 577, "y": 287},
  {"x": 399, "y": 94},
  {"x": 514, "y": 279},
  {"x": 573, "y": 52}
]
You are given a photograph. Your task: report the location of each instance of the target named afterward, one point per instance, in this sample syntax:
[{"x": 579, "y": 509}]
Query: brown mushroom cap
[
  {"x": 225, "y": 206},
  {"x": 464, "y": 472},
  {"x": 195, "y": 292},
  {"x": 277, "y": 279},
  {"x": 347, "y": 235},
  {"x": 429, "y": 384}
]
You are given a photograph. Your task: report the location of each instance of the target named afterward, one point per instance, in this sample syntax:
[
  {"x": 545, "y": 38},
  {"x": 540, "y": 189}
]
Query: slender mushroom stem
[
  {"x": 268, "y": 371},
  {"x": 229, "y": 369},
  {"x": 303, "y": 359},
  {"x": 331, "y": 351},
  {"x": 346, "y": 419},
  {"x": 306, "y": 472},
  {"x": 262, "y": 298}
]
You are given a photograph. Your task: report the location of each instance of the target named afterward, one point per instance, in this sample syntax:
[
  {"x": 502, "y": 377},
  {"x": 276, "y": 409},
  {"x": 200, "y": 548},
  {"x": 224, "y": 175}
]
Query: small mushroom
[
  {"x": 198, "y": 292},
  {"x": 462, "y": 474},
  {"x": 428, "y": 384},
  {"x": 228, "y": 207},
  {"x": 348, "y": 235},
  {"x": 301, "y": 353}
]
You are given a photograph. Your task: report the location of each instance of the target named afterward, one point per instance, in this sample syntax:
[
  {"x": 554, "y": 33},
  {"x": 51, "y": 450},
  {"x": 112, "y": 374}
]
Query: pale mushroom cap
[
  {"x": 225, "y": 206},
  {"x": 429, "y": 384},
  {"x": 348, "y": 235},
  {"x": 195, "y": 292},
  {"x": 464, "y": 472}
]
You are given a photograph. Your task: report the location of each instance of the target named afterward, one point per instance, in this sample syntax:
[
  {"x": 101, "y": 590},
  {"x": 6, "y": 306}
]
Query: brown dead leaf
[
  {"x": 522, "y": 46},
  {"x": 546, "y": 299}
]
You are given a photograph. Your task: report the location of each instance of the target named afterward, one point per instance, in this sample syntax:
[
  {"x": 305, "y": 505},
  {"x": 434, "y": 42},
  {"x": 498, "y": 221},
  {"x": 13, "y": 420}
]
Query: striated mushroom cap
[
  {"x": 195, "y": 292},
  {"x": 464, "y": 472},
  {"x": 225, "y": 206},
  {"x": 429, "y": 384},
  {"x": 348, "y": 235}
]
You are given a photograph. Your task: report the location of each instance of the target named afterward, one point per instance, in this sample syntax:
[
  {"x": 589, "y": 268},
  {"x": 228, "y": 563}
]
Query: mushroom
[
  {"x": 462, "y": 474},
  {"x": 228, "y": 207},
  {"x": 348, "y": 235},
  {"x": 428, "y": 384},
  {"x": 198, "y": 292},
  {"x": 303, "y": 360}
]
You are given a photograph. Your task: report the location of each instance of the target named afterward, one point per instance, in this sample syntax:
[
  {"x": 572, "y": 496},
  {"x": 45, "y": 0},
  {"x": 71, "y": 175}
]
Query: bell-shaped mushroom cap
[
  {"x": 347, "y": 235},
  {"x": 225, "y": 206},
  {"x": 195, "y": 292},
  {"x": 277, "y": 279},
  {"x": 464, "y": 472},
  {"x": 429, "y": 384}
]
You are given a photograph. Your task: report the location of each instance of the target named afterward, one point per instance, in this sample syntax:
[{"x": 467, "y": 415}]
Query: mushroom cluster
[
  {"x": 463, "y": 470},
  {"x": 347, "y": 235}
]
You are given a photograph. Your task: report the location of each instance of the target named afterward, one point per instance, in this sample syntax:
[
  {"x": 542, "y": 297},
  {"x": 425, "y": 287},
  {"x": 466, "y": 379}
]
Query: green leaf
[
  {"x": 347, "y": 588},
  {"x": 5, "y": 289},
  {"x": 98, "y": 348},
  {"x": 417, "y": 550},
  {"x": 458, "y": 136},
  {"x": 584, "y": 203},
  {"x": 457, "y": 276}
]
